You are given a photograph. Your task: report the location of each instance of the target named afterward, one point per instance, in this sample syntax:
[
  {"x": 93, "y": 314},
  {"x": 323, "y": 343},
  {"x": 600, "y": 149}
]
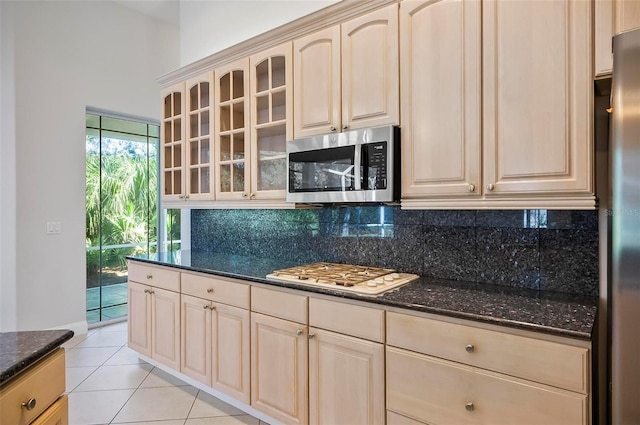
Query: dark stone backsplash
[{"x": 539, "y": 249}]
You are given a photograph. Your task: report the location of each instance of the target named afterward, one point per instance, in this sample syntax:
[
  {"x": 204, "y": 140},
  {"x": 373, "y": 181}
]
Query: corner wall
[{"x": 67, "y": 55}]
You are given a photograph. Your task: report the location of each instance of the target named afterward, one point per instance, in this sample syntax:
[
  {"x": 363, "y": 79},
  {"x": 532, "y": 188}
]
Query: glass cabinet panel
[
  {"x": 199, "y": 159},
  {"x": 171, "y": 143}
]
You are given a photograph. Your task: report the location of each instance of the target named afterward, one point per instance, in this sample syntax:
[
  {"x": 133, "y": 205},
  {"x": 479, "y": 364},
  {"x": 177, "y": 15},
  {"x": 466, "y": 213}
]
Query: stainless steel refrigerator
[{"x": 625, "y": 235}]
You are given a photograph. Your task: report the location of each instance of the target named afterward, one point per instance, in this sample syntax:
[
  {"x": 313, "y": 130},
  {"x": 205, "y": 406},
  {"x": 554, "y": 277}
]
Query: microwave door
[{"x": 324, "y": 170}]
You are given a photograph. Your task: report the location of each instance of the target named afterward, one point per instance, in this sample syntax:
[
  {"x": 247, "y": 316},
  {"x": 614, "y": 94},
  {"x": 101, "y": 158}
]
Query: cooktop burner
[{"x": 344, "y": 277}]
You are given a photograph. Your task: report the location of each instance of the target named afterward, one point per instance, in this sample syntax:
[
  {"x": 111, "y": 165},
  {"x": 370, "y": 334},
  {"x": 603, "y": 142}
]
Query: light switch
[{"x": 54, "y": 227}]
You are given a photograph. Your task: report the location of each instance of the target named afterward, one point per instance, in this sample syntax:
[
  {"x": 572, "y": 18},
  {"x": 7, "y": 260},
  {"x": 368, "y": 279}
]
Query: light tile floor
[{"x": 108, "y": 384}]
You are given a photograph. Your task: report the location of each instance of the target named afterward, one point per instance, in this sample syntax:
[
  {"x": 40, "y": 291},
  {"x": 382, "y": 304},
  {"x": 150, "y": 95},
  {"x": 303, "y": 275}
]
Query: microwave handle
[{"x": 357, "y": 172}]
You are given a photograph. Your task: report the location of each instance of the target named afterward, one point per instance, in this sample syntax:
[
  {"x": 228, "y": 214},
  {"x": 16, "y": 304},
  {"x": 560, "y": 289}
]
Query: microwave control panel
[{"x": 374, "y": 161}]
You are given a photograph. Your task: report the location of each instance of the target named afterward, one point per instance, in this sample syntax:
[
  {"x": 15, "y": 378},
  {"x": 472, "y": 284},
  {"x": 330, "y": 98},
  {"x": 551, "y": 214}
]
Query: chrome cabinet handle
[
  {"x": 149, "y": 276},
  {"x": 311, "y": 335},
  {"x": 332, "y": 129},
  {"x": 146, "y": 291},
  {"x": 471, "y": 188},
  {"x": 469, "y": 407},
  {"x": 345, "y": 127},
  {"x": 210, "y": 291},
  {"x": 151, "y": 291},
  {"x": 244, "y": 195},
  {"x": 299, "y": 332},
  {"x": 30, "y": 404},
  {"x": 490, "y": 187},
  {"x": 205, "y": 306},
  {"x": 470, "y": 348},
  {"x": 180, "y": 196},
  {"x": 253, "y": 195},
  {"x": 212, "y": 307}
]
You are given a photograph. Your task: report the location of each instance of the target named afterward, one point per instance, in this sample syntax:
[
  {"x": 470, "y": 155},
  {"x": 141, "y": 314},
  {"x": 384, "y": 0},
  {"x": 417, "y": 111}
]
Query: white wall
[
  {"x": 67, "y": 55},
  {"x": 208, "y": 26}
]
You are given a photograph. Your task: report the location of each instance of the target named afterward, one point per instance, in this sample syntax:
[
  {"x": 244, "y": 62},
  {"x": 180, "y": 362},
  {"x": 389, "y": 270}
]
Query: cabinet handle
[
  {"x": 205, "y": 306},
  {"x": 213, "y": 307},
  {"x": 180, "y": 196},
  {"x": 470, "y": 348},
  {"x": 311, "y": 335},
  {"x": 30, "y": 404},
  {"x": 244, "y": 195},
  {"x": 149, "y": 276},
  {"x": 490, "y": 187},
  {"x": 299, "y": 332},
  {"x": 345, "y": 127},
  {"x": 253, "y": 195},
  {"x": 146, "y": 291},
  {"x": 186, "y": 197},
  {"x": 210, "y": 291},
  {"x": 332, "y": 129},
  {"x": 469, "y": 407},
  {"x": 471, "y": 188},
  {"x": 151, "y": 291}
]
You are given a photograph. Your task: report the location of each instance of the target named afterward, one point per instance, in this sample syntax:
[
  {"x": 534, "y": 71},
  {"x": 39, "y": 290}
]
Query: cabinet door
[
  {"x": 612, "y": 17},
  {"x": 230, "y": 351},
  {"x": 271, "y": 120},
  {"x": 195, "y": 354},
  {"x": 346, "y": 379},
  {"x": 440, "y": 48},
  {"x": 538, "y": 96},
  {"x": 370, "y": 83},
  {"x": 279, "y": 368},
  {"x": 172, "y": 143},
  {"x": 232, "y": 131},
  {"x": 165, "y": 327},
  {"x": 316, "y": 83},
  {"x": 139, "y": 322},
  {"x": 199, "y": 126}
]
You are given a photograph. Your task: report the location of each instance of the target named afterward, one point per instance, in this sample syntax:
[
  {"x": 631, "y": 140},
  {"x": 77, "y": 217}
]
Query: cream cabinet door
[
  {"x": 440, "y": 48},
  {"x": 230, "y": 351},
  {"x": 195, "y": 354},
  {"x": 271, "y": 120},
  {"x": 165, "y": 327},
  {"x": 172, "y": 135},
  {"x": 199, "y": 132},
  {"x": 279, "y": 368},
  {"x": 612, "y": 17},
  {"x": 316, "y": 83},
  {"x": 370, "y": 83},
  {"x": 139, "y": 321},
  {"x": 346, "y": 379},
  {"x": 538, "y": 95},
  {"x": 232, "y": 134}
]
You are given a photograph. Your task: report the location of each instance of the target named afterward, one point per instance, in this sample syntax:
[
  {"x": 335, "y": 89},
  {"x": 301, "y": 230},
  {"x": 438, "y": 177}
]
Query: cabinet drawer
[
  {"x": 437, "y": 391},
  {"x": 395, "y": 419},
  {"x": 57, "y": 414},
  {"x": 216, "y": 289},
  {"x": 552, "y": 363},
  {"x": 44, "y": 382},
  {"x": 349, "y": 319},
  {"x": 279, "y": 304},
  {"x": 155, "y": 276}
]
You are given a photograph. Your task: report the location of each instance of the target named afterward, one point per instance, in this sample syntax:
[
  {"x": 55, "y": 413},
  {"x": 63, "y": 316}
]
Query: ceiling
[{"x": 165, "y": 10}]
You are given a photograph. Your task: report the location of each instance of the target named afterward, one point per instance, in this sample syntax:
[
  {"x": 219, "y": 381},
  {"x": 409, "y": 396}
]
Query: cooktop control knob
[
  {"x": 389, "y": 278},
  {"x": 395, "y": 275},
  {"x": 372, "y": 283},
  {"x": 379, "y": 281}
]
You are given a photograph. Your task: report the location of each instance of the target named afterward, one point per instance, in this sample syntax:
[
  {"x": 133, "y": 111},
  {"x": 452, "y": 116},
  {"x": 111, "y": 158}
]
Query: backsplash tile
[{"x": 538, "y": 249}]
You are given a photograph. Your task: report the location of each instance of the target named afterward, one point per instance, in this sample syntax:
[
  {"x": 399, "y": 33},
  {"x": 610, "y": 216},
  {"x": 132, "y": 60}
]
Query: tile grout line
[{"x": 133, "y": 393}]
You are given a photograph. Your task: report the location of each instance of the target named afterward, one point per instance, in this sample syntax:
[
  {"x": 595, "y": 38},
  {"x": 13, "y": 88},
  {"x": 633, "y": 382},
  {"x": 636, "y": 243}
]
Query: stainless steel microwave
[{"x": 354, "y": 166}]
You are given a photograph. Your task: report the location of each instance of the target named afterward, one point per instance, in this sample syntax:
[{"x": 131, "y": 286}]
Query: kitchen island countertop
[
  {"x": 553, "y": 313},
  {"x": 19, "y": 350}
]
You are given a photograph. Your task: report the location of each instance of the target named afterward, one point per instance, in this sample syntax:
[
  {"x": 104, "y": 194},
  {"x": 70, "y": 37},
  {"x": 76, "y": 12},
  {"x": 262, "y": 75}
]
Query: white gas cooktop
[{"x": 344, "y": 277}]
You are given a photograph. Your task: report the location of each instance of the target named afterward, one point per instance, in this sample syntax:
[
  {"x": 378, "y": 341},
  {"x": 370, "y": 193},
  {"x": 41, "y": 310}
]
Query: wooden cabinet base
[{"x": 57, "y": 414}]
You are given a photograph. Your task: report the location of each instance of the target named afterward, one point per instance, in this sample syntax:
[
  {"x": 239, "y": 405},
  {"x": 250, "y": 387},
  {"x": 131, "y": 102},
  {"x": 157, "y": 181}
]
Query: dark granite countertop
[
  {"x": 19, "y": 350},
  {"x": 542, "y": 311}
]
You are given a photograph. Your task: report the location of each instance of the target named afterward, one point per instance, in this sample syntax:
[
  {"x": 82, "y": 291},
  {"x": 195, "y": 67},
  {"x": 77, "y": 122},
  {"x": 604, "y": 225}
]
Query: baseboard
[{"x": 78, "y": 328}]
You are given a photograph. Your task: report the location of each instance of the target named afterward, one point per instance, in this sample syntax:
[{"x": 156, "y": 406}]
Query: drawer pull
[
  {"x": 469, "y": 407},
  {"x": 470, "y": 348},
  {"x": 311, "y": 335},
  {"x": 28, "y": 404},
  {"x": 210, "y": 291},
  {"x": 299, "y": 332},
  {"x": 149, "y": 276},
  {"x": 205, "y": 306}
]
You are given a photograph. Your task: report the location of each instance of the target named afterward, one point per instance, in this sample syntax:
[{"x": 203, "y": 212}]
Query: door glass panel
[
  {"x": 225, "y": 87},
  {"x": 168, "y": 183},
  {"x": 238, "y": 177},
  {"x": 193, "y": 152},
  {"x": 278, "y": 74},
  {"x": 167, "y": 107},
  {"x": 204, "y": 151},
  {"x": 238, "y": 115},
  {"x": 271, "y": 174},
  {"x": 225, "y": 178},
  {"x": 177, "y": 156},
  {"x": 262, "y": 109},
  {"x": 194, "y": 180},
  {"x": 177, "y": 103},
  {"x": 278, "y": 111},
  {"x": 225, "y": 118},
  {"x": 204, "y": 180},
  {"x": 262, "y": 76},
  {"x": 193, "y": 98},
  {"x": 204, "y": 95},
  {"x": 193, "y": 125},
  {"x": 177, "y": 130},
  {"x": 204, "y": 123},
  {"x": 238, "y": 146},
  {"x": 121, "y": 219},
  {"x": 238, "y": 84},
  {"x": 168, "y": 161},
  {"x": 225, "y": 148}
]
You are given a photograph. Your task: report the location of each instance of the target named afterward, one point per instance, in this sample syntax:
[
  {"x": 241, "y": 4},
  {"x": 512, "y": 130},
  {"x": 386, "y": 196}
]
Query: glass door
[{"x": 121, "y": 207}]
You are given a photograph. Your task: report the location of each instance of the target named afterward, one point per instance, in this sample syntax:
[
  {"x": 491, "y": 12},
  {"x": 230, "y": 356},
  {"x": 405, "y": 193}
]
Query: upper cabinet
[
  {"x": 536, "y": 137},
  {"x": 346, "y": 76},
  {"x": 612, "y": 17},
  {"x": 172, "y": 143},
  {"x": 271, "y": 123},
  {"x": 232, "y": 131}
]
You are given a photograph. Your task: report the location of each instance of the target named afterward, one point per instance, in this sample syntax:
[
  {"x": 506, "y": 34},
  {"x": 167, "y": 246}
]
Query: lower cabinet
[
  {"x": 279, "y": 366},
  {"x": 215, "y": 346},
  {"x": 346, "y": 379}
]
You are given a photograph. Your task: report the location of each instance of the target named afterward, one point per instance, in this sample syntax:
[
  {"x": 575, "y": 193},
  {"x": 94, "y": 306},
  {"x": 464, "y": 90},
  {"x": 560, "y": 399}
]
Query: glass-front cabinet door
[
  {"x": 199, "y": 154},
  {"x": 232, "y": 131},
  {"x": 271, "y": 123},
  {"x": 172, "y": 138}
]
